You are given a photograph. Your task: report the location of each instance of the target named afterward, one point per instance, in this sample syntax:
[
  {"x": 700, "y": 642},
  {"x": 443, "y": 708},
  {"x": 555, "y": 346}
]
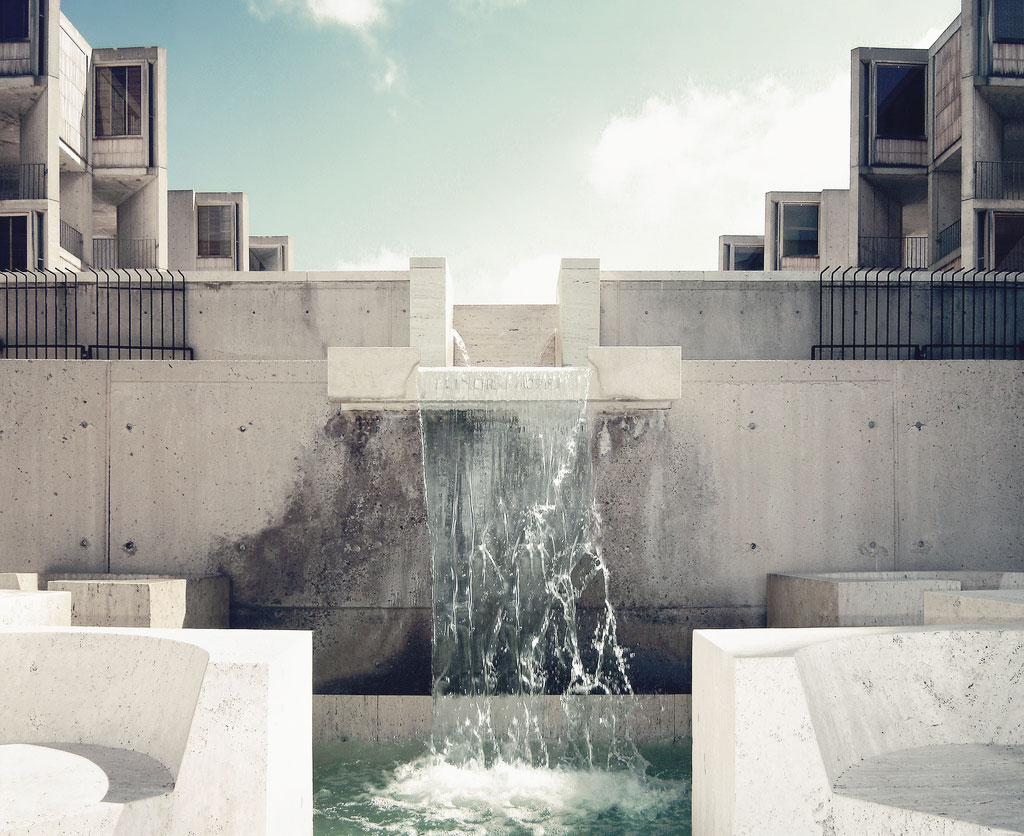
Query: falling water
[{"x": 520, "y": 605}]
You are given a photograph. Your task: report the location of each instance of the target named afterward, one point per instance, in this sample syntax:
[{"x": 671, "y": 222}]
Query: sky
[{"x": 507, "y": 134}]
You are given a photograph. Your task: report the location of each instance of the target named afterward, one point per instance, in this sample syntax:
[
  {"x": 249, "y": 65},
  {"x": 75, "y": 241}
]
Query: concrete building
[
  {"x": 83, "y": 159},
  {"x": 936, "y": 160},
  {"x": 83, "y": 156}
]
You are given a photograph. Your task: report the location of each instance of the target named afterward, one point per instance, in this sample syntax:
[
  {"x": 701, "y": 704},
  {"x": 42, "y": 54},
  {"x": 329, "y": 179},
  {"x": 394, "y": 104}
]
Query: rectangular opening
[
  {"x": 13, "y": 21},
  {"x": 118, "y": 101},
  {"x": 747, "y": 257},
  {"x": 900, "y": 101},
  {"x": 1008, "y": 241},
  {"x": 1007, "y": 22},
  {"x": 14, "y": 242},
  {"x": 799, "y": 230},
  {"x": 216, "y": 230}
]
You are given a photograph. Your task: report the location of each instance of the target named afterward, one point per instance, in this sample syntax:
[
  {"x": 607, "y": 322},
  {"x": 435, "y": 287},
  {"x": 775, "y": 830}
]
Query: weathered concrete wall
[{"x": 318, "y": 515}]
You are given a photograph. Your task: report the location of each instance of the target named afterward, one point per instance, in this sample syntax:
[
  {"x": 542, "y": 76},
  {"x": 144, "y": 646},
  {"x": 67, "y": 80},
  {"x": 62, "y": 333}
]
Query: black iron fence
[
  {"x": 998, "y": 180},
  {"x": 41, "y": 316},
  {"x": 71, "y": 239},
  {"x": 948, "y": 241},
  {"x": 892, "y": 252},
  {"x": 901, "y": 315},
  {"x": 22, "y": 181},
  {"x": 124, "y": 314},
  {"x": 123, "y": 253}
]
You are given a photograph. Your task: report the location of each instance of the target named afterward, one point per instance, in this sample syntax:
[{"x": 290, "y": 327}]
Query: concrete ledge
[
  {"x": 991, "y": 606},
  {"x": 635, "y": 374},
  {"x": 373, "y": 377},
  {"x": 661, "y": 717},
  {"x": 868, "y": 599},
  {"x": 790, "y": 726},
  {"x": 31, "y": 608},
  {"x": 147, "y": 601}
]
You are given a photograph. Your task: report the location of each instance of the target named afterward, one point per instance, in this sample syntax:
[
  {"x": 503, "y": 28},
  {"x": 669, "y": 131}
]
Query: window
[
  {"x": 747, "y": 257},
  {"x": 14, "y": 243},
  {"x": 216, "y": 230},
  {"x": 1007, "y": 22},
  {"x": 1009, "y": 242},
  {"x": 13, "y": 21},
  {"x": 800, "y": 230},
  {"x": 899, "y": 93},
  {"x": 118, "y": 101}
]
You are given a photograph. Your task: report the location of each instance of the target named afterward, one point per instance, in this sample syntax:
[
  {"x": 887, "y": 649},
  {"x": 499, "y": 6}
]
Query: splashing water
[
  {"x": 519, "y": 587},
  {"x": 530, "y": 690}
]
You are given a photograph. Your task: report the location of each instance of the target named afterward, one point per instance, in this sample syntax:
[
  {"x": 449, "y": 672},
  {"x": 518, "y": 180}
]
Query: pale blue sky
[{"x": 505, "y": 134}]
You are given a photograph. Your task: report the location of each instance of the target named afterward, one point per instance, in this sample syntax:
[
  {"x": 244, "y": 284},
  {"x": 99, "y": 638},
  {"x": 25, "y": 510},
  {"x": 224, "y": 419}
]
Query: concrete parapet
[
  {"x": 857, "y": 730},
  {"x": 642, "y": 375},
  {"x": 373, "y": 376},
  {"x": 990, "y": 606},
  {"x": 32, "y": 608},
  {"x": 147, "y": 600},
  {"x": 869, "y": 599}
]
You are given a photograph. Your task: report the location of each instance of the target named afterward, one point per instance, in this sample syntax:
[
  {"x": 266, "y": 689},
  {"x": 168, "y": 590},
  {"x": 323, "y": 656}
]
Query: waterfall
[{"x": 519, "y": 589}]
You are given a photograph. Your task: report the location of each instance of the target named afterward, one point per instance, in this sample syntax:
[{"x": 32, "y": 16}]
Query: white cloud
[
  {"x": 387, "y": 79},
  {"x": 361, "y": 15},
  {"x": 701, "y": 164},
  {"x": 531, "y": 281},
  {"x": 383, "y": 259},
  {"x": 929, "y": 37}
]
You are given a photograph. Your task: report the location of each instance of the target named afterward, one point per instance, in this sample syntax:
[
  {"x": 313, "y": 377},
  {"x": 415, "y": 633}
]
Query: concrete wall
[
  {"x": 317, "y": 515},
  {"x": 507, "y": 335},
  {"x": 713, "y": 316}
]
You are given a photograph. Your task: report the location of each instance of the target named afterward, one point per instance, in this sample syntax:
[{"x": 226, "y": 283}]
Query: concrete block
[
  {"x": 579, "y": 308},
  {"x": 373, "y": 376},
  {"x": 995, "y": 606},
  {"x": 403, "y": 717},
  {"x": 868, "y": 599},
  {"x": 147, "y": 601},
  {"x": 226, "y": 750},
  {"x": 19, "y": 580},
  {"x": 33, "y": 608},
  {"x": 857, "y": 730},
  {"x": 430, "y": 310},
  {"x": 635, "y": 373}
]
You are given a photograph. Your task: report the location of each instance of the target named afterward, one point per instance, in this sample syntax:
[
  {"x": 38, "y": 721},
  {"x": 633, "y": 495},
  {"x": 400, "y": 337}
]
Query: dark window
[
  {"x": 216, "y": 230},
  {"x": 1009, "y": 242},
  {"x": 14, "y": 243},
  {"x": 747, "y": 258},
  {"x": 13, "y": 20},
  {"x": 900, "y": 95},
  {"x": 1007, "y": 22},
  {"x": 799, "y": 229},
  {"x": 119, "y": 101}
]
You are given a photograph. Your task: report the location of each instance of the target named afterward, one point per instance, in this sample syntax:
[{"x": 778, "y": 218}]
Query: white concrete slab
[
  {"x": 821, "y": 730},
  {"x": 990, "y": 606},
  {"x": 33, "y": 608}
]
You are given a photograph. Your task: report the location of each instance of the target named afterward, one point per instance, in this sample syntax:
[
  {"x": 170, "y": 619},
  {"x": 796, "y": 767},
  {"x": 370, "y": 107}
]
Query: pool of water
[{"x": 361, "y": 788}]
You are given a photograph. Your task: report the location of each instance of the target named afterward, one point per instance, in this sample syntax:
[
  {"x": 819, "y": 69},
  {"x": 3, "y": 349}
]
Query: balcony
[
  {"x": 998, "y": 180},
  {"x": 896, "y": 253},
  {"x": 948, "y": 241},
  {"x": 71, "y": 239},
  {"x": 121, "y": 253},
  {"x": 23, "y": 181}
]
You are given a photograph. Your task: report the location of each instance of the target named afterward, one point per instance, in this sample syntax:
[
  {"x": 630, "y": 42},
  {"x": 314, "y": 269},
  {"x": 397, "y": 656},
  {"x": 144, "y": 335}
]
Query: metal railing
[
  {"x": 123, "y": 253},
  {"x": 132, "y": 315},
  {"x": 892, "y": 252},
  {"x": 998, "y": 180},
  {"x": 948, "y": 241},
  {"x": 71, "y": 239},
  {"x": 140, "y": 315},
  {"x": 885, "y": 315},
  {"x": 41, "y": 316},
  {"x": 22, "y": 181}
]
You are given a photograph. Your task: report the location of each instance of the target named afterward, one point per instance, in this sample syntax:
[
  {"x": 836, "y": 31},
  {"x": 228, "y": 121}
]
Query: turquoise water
[{"x": 365, "y": 788}]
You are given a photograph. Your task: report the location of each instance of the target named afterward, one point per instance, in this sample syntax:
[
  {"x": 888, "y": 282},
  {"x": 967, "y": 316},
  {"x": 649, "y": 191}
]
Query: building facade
[
  {"x": 83, "y": 149},
  {"x": 936, "y": 160}
]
